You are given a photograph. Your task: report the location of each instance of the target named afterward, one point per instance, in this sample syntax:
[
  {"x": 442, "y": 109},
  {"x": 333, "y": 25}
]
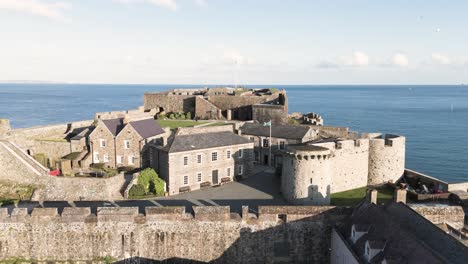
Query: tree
[{"x": 150, "y": 180}]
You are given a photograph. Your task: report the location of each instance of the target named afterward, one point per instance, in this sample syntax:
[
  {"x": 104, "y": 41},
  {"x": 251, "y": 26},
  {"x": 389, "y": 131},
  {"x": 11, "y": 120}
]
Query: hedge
[
  {"x": 137, "y": 190},
  {"x": 151, "y": 182}
]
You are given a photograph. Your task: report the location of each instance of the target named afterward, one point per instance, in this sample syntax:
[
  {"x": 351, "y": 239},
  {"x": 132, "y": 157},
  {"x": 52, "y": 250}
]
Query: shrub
[
  {"x": 137, "y": 190},
  {"x": 171, "y": 116},
  {"x": 162, "y": 116},
  {"x": 182, "y": 116},
  {"x": 152, "y": 183},
  {"x": 188, "y": 115}
]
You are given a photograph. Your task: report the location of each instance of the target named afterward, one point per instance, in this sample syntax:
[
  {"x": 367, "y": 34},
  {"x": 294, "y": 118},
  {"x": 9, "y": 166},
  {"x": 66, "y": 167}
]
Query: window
[
  {"x": 185, "y": 180},
  {"x": 131, "y": 160},
  {"x": 241, "y": 153},
  {"x": 240, "y": 170},
  {"x": 214, "y": 156},
  {"x": 228, "y": 172},
  {"x": 367, "y": 250},
  {"x": 252, "y": 138},
  {"x": 199, "y": 177},
  {"x": 106, "y": 158},
  {"x": 199, "y": 158},
  {"x": 185, "y": 161},
  {"x": 96, "y": 157},
  {"x": 266, "y": 142},
  {"x": 281, "y": 145},
  {"x": 102, "y": 143},
  {"x": 228, "y": 154},
  {"x": 119, "y": 159},
  {"x": 126, "y": 144}
]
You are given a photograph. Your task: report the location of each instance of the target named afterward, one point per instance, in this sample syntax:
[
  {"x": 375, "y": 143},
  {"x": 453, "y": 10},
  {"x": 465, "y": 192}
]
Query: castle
[{"x": 312, "y": 171}]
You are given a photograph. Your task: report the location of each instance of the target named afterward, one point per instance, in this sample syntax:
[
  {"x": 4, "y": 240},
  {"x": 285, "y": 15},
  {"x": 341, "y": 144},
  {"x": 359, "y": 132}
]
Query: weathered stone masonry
[{"x": 289, "y": 234}]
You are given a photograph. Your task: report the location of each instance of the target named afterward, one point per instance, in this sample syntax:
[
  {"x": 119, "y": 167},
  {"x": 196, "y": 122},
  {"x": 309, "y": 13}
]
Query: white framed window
[
  {"x": 185, "y": 161},
  {"x": 119, "y": 159},
  {"x": 241, "y": 153},
  {"x": 228, "y": 154},
  {"x": 186, "y": 180},
  {"x": 102, "y": 143},
  {"x": 266, "y": 142},
  {"x": 199, "y": 158},
  {"x": 106, "y": 158},
  {"x": 96, "y": 157},
  {"x": 199, "y": 177},
  {"x": 228, "y": 172},
  {"x": 214, "y": 156},
  {"x": 282, "y": 145},
  {"x": 126, "y": 144},
  {"x": 240, "y": 169},
  {"x": 131, "y": 160}
]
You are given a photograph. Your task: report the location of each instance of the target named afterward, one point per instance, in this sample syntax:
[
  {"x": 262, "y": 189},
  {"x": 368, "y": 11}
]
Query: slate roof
[
  {"x": 147, "y": 128},
  {"x": 406, "y": 236},
  {"x": 277, "y": 131},
  {"x": 114, "y": 125},
  {"x": 182, "y": 143},
  {"x": 81, "y": 132}
]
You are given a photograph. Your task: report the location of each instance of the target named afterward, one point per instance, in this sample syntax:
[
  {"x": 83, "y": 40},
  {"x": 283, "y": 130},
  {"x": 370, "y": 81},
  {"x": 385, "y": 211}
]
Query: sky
[{"x": 238, "y": 42}]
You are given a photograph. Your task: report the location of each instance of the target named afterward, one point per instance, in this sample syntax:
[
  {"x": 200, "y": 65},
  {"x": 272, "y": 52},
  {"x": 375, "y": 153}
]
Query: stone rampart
[
  {"x": 262, "y": 113},
  {"x": 459, "y": 186},
  {"x": 4, "y": 126},
  {"x": 440, "y": 214},
  {"x": 132, "y": 114},
  {"x": 287, "y": 234},
  {"x": 350, "y": 164},
  {"x": 386, "y": 158},
  {"x": 204, "y": 109},
  {"x": 15, "y": 169},
  {"x": 169, "y": 102},
  {"x": 54, "y": 150}
]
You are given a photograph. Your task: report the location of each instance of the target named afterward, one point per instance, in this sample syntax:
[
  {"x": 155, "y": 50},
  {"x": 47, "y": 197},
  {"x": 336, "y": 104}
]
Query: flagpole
[{"x": 270, "y": 145}]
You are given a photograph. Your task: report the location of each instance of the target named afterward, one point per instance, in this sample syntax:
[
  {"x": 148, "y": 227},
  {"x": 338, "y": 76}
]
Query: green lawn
[
  {"x": 354, "y": 196},
  {"x": 173, "y": 124}
]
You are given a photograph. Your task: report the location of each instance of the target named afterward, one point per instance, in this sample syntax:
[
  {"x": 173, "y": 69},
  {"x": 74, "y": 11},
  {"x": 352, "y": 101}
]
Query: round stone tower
[
  {"x": 306, "y": 175},
  {"x": 386, "y": 158},
  {"x": 4, "y": 126}
]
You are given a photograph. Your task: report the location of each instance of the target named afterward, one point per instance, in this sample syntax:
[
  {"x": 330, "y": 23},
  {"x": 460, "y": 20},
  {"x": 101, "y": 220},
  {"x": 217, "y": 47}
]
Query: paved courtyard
[{"x": 262, "y": 188}]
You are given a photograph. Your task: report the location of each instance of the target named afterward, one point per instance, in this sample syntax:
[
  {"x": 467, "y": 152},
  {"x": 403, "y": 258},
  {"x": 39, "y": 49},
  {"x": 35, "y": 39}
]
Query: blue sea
[{"x": 433, "y": 118}]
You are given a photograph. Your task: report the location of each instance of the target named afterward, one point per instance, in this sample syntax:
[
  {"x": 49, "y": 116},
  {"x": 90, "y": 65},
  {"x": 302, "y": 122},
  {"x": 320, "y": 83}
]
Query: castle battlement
[{"x": 159, "y": 214}]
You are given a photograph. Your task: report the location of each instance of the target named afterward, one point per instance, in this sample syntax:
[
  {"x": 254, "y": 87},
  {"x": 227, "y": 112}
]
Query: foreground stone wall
[
  {"x": 440, "y": 214},
  {"x": 13, "y": 169},
  {"x": 287, "y": 234}
]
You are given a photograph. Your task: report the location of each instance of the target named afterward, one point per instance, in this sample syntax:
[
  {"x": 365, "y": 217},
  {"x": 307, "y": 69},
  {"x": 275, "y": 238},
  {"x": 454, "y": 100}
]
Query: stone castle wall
[
  {"x": 262, "y": 113},
  {"x": 4, "y": 126},
  {"x": 386, "y": 159},
  {"x": 287, "y": 234},
  {"x": 54, "y": 150},
  {"x": 204, "y": 109},
  {"x": 14, "y": 170},
  {"x": 169, "y": 102},
  {"x": 441, "y": 214},
  {"x": 350, "y": 160}
]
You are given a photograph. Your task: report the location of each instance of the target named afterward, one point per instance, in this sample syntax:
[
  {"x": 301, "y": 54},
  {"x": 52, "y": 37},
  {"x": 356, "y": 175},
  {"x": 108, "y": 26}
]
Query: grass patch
[
  {"x": 173, "y": 124},
  {"x": 13, "y": 193},
  {"x": 354, "y": 196}
]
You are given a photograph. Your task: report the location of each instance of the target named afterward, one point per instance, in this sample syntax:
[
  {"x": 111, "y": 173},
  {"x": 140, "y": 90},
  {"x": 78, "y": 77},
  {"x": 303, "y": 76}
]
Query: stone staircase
[{"x": 27, "y": 160}]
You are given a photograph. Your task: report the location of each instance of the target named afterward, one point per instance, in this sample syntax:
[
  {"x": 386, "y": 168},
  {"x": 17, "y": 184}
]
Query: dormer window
[{"x": 357, "y": 231}]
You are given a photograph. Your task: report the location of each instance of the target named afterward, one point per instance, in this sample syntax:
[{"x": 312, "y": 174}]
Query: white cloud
[
  {"x": 170, "y": 4},
  {"x": 400, "y": 59},
  {"x": 358, "y": 58},
  {"x": 440, "y": 59},
  {"x": 235, "y": 57},
  {"x": 36, "y": 7}
]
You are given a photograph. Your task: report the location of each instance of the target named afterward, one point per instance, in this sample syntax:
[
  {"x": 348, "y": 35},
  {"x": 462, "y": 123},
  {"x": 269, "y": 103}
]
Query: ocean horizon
[{"x": 432, "y": 117}]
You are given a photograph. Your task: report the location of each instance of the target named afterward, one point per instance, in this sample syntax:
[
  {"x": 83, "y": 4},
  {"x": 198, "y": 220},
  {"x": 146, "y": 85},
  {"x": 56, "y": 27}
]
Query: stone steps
[{"x": 25, "y": 158}]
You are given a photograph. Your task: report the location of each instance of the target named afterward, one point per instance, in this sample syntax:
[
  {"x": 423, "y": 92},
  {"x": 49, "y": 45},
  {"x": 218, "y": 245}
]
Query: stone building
[
  {"x": 392, "y": 233},
  {"x": 281, "y": 137},
  {"x": 222, "y": 103},
  {"x": 117, "y": 142},
  {"x": 131, "y": 141},
  {"x": 201, "y": 157},
  {"x": 311, "y": 172}
]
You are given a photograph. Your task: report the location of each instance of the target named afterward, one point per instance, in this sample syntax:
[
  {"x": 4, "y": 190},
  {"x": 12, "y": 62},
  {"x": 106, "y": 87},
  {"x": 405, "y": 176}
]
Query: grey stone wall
[
  {"x": 301, "y": 235},
  {"x": 14, "y": 170},
  {"x": 278, "y": 114},
  {"x": 52, "y": 149},
  {"x": 80, "y": 188}
]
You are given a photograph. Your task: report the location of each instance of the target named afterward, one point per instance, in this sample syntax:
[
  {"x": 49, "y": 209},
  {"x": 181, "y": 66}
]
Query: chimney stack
[
  {"x": 126, "y": 119},
  {"x": 372, "y": 196},
  {"x": 400, "y": 196}
]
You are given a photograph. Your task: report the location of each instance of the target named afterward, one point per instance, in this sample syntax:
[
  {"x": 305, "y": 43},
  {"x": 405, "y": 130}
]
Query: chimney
[
  {"x": 126, "y": 119},
  {"x": 372, "y": 196},
  {"x": 400, "y": 196}
]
